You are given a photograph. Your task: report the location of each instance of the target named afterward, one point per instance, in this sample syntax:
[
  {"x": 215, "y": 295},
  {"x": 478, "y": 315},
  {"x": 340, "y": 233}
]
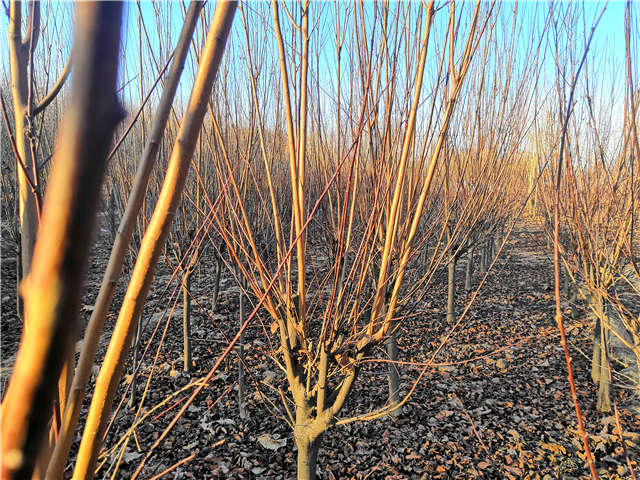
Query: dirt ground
[{"x": 497, "y": 403}]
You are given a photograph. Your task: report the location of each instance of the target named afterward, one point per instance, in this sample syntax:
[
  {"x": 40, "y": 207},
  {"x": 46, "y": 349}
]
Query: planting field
[
  {"x": 282, "y": 239},
  {"x": 495, "y": 403}
]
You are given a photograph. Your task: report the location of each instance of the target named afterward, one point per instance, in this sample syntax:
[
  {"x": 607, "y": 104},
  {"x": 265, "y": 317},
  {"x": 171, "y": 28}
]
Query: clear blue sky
[{"x": 609, "y": 36}]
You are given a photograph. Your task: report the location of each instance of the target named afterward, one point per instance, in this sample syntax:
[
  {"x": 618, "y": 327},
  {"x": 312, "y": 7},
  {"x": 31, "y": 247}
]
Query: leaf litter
[{"x": 480, "y": 414}]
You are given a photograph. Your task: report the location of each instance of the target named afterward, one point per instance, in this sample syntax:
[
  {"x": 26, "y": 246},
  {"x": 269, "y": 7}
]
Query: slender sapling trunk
[
  {"x": 468, "y": 278},
  {"x": 451, "y": 290},
  {"x": 391, "y": 344},
  {"x": 242, "y": 402},
  {"x": 186, "y": 320}
]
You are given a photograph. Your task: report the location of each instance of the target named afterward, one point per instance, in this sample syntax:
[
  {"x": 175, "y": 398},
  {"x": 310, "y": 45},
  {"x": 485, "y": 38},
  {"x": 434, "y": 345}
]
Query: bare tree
[
  {"x": 327, "y": 328},
  {"x": 154, "y": 238},
  {"x": 114, "y": 267},
  {"x": 52, "y": 287}
]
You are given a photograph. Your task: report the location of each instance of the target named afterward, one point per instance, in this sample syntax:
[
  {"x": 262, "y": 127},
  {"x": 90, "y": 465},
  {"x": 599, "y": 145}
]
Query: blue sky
[{"x": 609, "y": 37}]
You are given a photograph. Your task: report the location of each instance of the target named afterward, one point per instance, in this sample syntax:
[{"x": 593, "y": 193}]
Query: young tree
[
  {"x": 595, "y": 218},
  {"x": 25, "y": 108},
  {"x": 121, "y": 243},
  {"x": 52, "y": 287},
  {"x": 327, "y": 326},
  {"x": 562, "y": 16},
  {"x": 153, "y": 241}
]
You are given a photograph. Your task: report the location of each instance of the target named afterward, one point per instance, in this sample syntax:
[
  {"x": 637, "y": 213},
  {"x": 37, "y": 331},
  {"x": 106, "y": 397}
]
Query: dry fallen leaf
[
  {"x": 130, "y": 456},
  {"x": 270, "y": 443}
]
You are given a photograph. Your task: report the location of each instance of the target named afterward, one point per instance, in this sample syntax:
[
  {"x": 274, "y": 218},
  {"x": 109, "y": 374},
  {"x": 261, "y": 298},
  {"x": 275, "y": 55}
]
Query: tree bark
[
  {"x": 600, "y": 373},
  {"x": 133, "y": 394},
  {"x": 391, "y": 344},
  {"x": 308, "y": 434},
  {"x": 307, "y": 457},
  {"x": 119, "y": 249},
  {"x": 186, "y": 320},
  {"x": 242, "y": 402},
  {"x": 451, "y": 290},
  {"x": 52, "y": 287},
  {"x": 216, "y": 286},
  {"x": 19, "y": 307},
  {"x": 468, "y": 280},
  {"x": 153, "y": 242},
  {"x": 19, "y": 62}
]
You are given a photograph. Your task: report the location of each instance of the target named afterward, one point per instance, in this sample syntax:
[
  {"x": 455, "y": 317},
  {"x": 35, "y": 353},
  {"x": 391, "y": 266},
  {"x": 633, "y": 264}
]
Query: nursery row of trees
[{"x": 334, "y": 158}]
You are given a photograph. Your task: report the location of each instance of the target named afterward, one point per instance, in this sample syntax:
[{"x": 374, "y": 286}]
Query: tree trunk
[
  {"x": 600, "y": 361},
  {"x": 451, "y": 291},
  {"x": 391, "y": 345},
  {"x": 492, "y": 250},
  {"x": 133, "y": 394},
  {"x": 307, "y": 457},
  {"x": 119, "y": 249},
  {"x": 52, "y": 288},
  {"x": 19, "y": 59},
  {"x": 468, "y": 280},
  {"x": 113, "y": 228},
  {"x": 18, "y": 280},
  {"x": 216, "y": 286},
  {"x": 604, "y": 398},
  {"x": 153, "y": 240},
  {"x": 242, "y": 404},
  {"x": 186, "y": 320}
]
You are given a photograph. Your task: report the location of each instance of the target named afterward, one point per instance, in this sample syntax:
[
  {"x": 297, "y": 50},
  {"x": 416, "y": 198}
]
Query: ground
[{"x": 497, "y": 404}]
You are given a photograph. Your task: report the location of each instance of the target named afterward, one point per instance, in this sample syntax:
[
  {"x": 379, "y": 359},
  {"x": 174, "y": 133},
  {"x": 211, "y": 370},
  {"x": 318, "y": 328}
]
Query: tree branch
[{"x": 44, "y": 103}]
